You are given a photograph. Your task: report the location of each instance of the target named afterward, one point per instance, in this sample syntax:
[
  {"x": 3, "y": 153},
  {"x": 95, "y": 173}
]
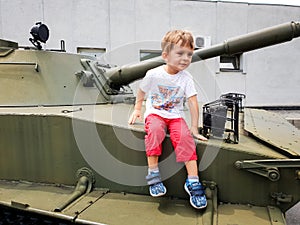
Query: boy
[{"x": 166, "y": 86}]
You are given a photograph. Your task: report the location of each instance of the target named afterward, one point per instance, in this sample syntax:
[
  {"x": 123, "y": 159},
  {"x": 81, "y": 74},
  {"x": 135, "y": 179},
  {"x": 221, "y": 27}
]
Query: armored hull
[{"x": 64, "y": 123}]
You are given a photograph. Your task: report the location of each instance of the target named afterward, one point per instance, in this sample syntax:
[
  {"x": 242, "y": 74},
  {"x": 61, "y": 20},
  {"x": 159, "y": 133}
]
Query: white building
[{"x": 125, "y": 29}]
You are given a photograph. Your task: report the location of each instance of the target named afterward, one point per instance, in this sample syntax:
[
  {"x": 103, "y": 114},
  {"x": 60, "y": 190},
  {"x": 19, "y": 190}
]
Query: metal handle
[{"x": 36, "y": 66}]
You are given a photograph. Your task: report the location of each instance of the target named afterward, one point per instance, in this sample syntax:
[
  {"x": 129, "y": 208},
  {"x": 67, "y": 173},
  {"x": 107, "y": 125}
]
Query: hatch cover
[{"x": 273, "y": 129}]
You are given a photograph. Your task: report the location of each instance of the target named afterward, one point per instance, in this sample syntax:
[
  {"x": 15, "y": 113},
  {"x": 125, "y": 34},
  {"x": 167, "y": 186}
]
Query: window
[
  {"x": 148, "y": 54},
  {"x": 96, "y": 52},
  {"x": 231, "y": 63}
]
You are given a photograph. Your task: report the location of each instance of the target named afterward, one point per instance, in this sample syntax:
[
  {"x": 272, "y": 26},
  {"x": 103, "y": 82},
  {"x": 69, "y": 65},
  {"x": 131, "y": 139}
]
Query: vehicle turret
[{"x": 54, "y": 77}]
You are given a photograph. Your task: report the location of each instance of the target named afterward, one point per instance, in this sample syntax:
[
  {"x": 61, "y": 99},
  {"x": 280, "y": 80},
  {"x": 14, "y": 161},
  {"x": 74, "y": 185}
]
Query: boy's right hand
[{"x": 135, "y": 115}]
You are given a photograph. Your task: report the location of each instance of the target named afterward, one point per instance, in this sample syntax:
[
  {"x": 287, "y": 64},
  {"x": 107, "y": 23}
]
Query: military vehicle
[{"x": 69, "y": 156}]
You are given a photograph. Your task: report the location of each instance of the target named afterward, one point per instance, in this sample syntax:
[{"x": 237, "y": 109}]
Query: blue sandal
[
  {"x": 156, "y": 187},
  {"x": 196, "y": 193}
]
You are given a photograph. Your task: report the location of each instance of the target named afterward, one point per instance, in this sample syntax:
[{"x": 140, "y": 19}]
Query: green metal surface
[
  {"x": 26, "y": 80},
  {"x": 43, "y": 122},
  {"x": 104, "y": 207},
  {"x": 5, "y": 44},
  {"x": 273, "y": 129}
]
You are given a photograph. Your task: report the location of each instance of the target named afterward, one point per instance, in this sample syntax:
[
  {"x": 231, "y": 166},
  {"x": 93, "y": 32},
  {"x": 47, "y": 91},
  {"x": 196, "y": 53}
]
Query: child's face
[{"x": 179, "y": 58}]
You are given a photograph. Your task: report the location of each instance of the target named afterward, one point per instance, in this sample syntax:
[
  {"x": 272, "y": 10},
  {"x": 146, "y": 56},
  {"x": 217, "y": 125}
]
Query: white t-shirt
[{"x": 165, "y": 92}]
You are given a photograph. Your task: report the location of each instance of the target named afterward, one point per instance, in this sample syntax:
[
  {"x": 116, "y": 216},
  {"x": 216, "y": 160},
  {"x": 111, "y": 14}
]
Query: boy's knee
[{"x": 156, "y": 129}]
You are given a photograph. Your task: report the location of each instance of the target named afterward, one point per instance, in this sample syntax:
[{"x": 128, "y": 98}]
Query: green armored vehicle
[{"x": 64, "y": 126}]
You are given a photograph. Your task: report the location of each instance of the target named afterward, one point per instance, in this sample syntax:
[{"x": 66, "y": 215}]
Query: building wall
[{"x": 123, "y": 27}]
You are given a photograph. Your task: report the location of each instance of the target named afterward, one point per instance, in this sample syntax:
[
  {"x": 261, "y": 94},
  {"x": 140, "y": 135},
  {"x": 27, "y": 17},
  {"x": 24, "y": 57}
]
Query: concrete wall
[{"x": 123, "y": 27}]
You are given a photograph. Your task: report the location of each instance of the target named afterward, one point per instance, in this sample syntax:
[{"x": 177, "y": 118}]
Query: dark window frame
[{"x": 231, "y": 63}]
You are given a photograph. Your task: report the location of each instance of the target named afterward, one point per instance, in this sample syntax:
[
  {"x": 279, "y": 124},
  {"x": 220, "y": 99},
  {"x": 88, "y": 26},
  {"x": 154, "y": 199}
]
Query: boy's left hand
[{"x": 195, "y": 133}]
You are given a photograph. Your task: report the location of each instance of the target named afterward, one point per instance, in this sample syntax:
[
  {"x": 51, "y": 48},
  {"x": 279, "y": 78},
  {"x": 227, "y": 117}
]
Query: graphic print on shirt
[{"x": 167, "y": 98}]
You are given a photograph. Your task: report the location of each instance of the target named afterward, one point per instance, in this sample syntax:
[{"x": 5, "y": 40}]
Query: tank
[{"x": 69, "y": 156}]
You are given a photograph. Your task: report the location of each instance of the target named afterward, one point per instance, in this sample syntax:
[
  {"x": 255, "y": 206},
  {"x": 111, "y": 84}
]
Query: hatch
[
  {"x": 6, "y": 47},
  {"x": 8, "y": 44},
  {"x": 273, "y": 129}
]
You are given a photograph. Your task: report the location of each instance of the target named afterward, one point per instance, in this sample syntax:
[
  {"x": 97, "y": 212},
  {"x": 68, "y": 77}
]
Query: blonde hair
[{"x": 173, "y": 37}]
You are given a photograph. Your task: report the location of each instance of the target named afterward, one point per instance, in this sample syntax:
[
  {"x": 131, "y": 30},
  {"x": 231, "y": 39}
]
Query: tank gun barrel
[
  {"x": 126, "y": 74},
  {"x": 255, "y": 40},
  {"x": 251, "y": 41}
]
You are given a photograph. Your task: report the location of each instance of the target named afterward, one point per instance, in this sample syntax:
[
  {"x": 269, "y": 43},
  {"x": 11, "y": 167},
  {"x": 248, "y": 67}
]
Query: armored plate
[
  {"x": 102, "y": 207},
  {"x": 273, "y": 129},
  {"x": 117, "y": 115}
]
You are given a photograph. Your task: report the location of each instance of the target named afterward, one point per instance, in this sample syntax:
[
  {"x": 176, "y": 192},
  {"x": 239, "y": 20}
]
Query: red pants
[{"x": 180, "y": 135}]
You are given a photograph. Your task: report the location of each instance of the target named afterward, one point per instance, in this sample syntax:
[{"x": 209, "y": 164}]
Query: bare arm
[
  {"x": 136, "y": 114},
  {"x": 194, "y": 110}
]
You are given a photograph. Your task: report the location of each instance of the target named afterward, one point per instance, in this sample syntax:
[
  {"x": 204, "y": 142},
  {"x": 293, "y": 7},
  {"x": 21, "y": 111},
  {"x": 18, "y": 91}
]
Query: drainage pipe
[
  {"x": 81, "y": 189},
  {"x": 84, "y": 185}
]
